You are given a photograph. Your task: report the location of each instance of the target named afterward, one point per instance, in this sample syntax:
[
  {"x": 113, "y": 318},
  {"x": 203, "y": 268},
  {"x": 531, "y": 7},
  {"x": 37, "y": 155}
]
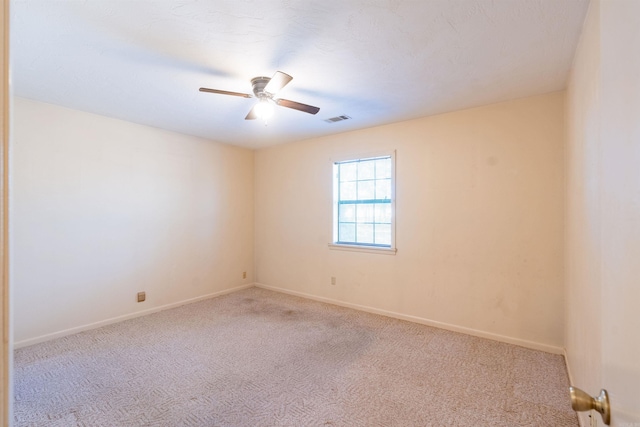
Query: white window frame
[{"x": 335, "y": 245}]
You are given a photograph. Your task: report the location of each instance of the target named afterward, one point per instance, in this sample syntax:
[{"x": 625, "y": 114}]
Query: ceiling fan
[{"x": 266, "y": 89}]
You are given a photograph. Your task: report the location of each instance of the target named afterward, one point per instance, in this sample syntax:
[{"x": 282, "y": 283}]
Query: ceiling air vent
[{"x": 337, "y": 119}]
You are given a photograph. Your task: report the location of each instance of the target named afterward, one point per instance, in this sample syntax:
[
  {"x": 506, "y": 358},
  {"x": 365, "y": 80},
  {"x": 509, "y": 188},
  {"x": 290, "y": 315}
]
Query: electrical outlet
[
  {"x": 142, "y": 296},
  {"x": 244, "y": 274},
  {"x": 333, "y": 280}
]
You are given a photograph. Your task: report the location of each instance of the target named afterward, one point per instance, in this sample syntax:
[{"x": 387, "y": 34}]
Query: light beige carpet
[{"x": 260, "y": 358}]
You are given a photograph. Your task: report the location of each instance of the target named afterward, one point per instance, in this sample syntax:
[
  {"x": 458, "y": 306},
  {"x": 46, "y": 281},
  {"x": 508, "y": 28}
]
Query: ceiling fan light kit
[
  {"x": 265, "y": 89},
  {"x": 264, "y": 109}
]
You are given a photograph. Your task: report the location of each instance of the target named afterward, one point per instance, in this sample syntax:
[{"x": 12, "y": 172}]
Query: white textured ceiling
[{"x": 378, "y": 61}]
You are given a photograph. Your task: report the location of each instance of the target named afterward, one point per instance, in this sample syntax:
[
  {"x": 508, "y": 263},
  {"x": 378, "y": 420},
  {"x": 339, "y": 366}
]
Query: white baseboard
[
  {"x": 474, "y": 332},
  {"x": 75, "y": 330},
  {"x": 428, "y": 322}
]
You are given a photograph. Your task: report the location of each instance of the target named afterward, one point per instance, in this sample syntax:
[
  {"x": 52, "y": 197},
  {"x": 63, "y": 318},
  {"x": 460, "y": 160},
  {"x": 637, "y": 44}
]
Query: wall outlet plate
[{"x": 142, "y": 296}]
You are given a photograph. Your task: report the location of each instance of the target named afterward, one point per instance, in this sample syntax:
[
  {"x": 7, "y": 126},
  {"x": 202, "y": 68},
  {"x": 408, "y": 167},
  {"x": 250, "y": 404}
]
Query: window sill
[{"x": 366, "y": 249}]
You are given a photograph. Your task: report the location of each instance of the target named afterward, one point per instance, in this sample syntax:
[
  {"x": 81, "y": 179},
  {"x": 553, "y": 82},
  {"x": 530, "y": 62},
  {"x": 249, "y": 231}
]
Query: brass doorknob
[{"x": 581, "y": 401}]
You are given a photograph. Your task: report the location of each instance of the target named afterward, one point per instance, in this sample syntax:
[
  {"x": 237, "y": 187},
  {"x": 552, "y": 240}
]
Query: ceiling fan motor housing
[{"x": 259, "y": 84}]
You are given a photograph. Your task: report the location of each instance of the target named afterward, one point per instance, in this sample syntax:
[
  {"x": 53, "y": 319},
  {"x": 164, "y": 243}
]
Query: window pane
[
  {"x": 383, "y": 213},
  {"x": 366, "y": 190},
  {"x": 348, "y": 190},
  {"x": 346, "y": 232},
  {"x": 383, "y": 234},
  {"x": 365, "y": 213},
  {"x": 383, "y": 189},
  {"x": 383, "y": 168},
  {"x": 346, "y": 213},
  {"x": 366, "y": 169},
  {"x": 348, "y": 171},
  {"x": 359, "y": 219},
  {"x": 365, "y": 233}
]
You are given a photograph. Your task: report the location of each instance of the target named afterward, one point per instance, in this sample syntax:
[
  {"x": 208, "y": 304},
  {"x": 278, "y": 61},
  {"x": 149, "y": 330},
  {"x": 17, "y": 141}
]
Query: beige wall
[
  {"x": 603, "y": 209},
  {"x": 479, "y": 221},
  {"x": 102, "y": 209}
]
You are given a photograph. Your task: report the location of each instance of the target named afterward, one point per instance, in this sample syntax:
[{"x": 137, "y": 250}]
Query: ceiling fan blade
[
  {"x": 225, "y": 92},
  {"x": 252, "y": 114},
  {"x": 277, "y": 82},
  {"x": 297, "y": 106}
]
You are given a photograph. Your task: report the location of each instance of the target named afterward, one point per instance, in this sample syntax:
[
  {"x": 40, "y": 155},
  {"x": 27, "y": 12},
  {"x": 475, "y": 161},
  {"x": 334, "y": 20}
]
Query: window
[{"x": 364, "y": 203}]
